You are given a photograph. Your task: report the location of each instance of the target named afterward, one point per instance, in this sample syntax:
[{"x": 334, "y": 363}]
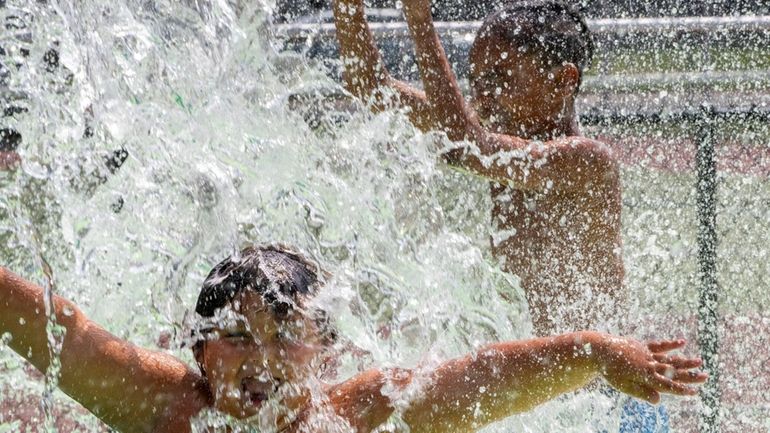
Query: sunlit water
[{"x": 200, "y": 97}]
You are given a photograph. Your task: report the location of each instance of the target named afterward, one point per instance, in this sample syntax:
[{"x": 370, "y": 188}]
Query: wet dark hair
[
  {"x": 282, "y": 276},
  {"x": 551, "y": 29}
]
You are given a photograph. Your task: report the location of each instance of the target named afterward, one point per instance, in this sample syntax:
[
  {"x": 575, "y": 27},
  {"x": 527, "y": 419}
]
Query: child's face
[
  {"x": 513, "y": 92},
  {"x": 254, "y": 357}
]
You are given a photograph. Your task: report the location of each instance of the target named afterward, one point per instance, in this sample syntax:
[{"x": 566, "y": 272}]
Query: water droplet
[
  {"x": 669, "y": 373},
  {"x": 22, "y": 321},
  {"x": 504, "y": 55},
  {"x": 587, "y": 348},
  {"x": 67, "y": 311}
]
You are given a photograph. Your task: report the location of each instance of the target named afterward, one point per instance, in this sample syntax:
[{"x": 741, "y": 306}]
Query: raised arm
[
  {"x": 365, "y": 74},
  {"x": 127, "y": 387},
  {"x": 506, "y": 378}
]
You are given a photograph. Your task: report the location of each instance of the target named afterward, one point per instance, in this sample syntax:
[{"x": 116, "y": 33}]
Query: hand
[
  {"x": 646, "y": 370},
  {"x": 9, "y": 160}
]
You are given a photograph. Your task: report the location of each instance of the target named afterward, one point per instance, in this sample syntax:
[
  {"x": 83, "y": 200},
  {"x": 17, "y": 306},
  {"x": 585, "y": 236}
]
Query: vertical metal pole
[{"x": 708, "y": 338}]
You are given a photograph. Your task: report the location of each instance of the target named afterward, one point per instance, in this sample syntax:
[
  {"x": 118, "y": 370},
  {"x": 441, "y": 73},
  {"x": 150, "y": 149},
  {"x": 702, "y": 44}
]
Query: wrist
[
  {"x": 348, "y": 7},
  {"x": 591, "y": 346},
  {"x": 418, "y": 14}
]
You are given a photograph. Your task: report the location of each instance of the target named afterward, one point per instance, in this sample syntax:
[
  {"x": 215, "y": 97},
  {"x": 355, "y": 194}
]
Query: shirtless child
[
  {"x": 556, "y": 194},
  {"x": 262, "y": 342}
]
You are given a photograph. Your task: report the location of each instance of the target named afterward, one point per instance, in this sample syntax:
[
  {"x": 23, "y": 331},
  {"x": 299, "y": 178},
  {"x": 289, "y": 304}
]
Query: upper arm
[
  {"x": 437, "y": 400},
  {"x": 563, "y": 164},
  {"x": 128, "y": 387}
]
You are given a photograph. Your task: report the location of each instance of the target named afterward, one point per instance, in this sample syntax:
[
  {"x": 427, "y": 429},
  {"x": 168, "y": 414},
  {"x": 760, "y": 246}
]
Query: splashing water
[
  {"x": 219, "y": 155},
  {"x": 200, "y": 101}
]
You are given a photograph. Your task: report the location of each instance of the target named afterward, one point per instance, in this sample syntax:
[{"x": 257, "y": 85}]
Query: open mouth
[{"x": 257, "y": 391}]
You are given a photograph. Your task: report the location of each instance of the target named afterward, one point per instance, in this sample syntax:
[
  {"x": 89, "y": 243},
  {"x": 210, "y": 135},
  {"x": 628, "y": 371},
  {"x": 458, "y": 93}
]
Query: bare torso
[{"x": 565, "y": 247}]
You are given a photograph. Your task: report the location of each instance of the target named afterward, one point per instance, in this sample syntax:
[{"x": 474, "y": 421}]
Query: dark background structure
[{"x": 464, "y": 10}]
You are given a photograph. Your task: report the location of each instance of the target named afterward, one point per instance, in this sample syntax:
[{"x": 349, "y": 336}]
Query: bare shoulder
[
  {"x": 188, "y": 400},
  {"x": 584, "y": 144},
  {"x": 593, "y": 157},
  {"x": 364, "y": 400}
]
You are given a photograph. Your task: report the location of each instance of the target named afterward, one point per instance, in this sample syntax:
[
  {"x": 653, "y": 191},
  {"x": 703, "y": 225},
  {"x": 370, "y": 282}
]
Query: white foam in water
[
  {"x": 200, "y": 100},
  {"x": 199, "y": 96}
]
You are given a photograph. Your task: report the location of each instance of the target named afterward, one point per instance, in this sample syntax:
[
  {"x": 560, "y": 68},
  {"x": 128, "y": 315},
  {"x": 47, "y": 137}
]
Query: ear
[{"x": 568, "y": 79}]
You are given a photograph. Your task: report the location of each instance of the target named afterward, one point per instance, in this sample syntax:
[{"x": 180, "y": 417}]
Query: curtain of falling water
[{"x": 199, "y": 98}]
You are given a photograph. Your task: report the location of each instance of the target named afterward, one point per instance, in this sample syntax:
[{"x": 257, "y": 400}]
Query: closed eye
[{"x": 487, "y": 82}]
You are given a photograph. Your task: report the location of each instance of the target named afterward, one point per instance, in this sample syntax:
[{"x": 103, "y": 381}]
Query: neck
[{"x": 550, "y": 131}]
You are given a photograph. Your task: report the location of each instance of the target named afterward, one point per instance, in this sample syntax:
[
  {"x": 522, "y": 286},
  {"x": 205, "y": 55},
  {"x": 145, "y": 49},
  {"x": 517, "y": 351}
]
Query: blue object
[{"x": 641, "y": 417}]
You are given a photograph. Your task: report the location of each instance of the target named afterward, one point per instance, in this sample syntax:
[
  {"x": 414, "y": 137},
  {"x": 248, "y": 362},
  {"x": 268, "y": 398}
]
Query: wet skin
[
  {"x": 564, "y": 244},
  {"x": 252, "y": 357},
  {"x": 556, "y": 206},
  {"x": 255, "y": 358}
]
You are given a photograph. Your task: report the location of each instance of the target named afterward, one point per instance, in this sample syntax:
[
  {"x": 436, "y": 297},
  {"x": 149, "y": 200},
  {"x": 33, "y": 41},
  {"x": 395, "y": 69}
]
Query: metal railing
[{"x": 599, "y": 26}]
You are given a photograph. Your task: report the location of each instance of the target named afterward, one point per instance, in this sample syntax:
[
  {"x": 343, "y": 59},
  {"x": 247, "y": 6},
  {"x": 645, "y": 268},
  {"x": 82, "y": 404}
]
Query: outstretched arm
[
  {"x": 365, "y": 73},
  {"x": 129, "y": 388},
  {"x": 511, "y": 377},
  {"x": 502, "y": 379}
]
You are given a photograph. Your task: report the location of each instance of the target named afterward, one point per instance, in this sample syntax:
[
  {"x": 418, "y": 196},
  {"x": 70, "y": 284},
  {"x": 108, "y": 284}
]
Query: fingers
[
  {"x": 9, "y": 160},
  {"x": 678, "y": 361},
  {"x": 664, "y": 384},
  {"x": 681, "y": 375},
  {"x": 665, "y": 345}
]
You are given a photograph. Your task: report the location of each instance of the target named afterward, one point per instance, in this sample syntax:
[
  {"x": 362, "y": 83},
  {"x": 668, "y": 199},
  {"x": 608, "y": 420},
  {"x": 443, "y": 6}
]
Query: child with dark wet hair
[
  {"x": 556, "y": 194},
  {"x": 260, "y": 345}
]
